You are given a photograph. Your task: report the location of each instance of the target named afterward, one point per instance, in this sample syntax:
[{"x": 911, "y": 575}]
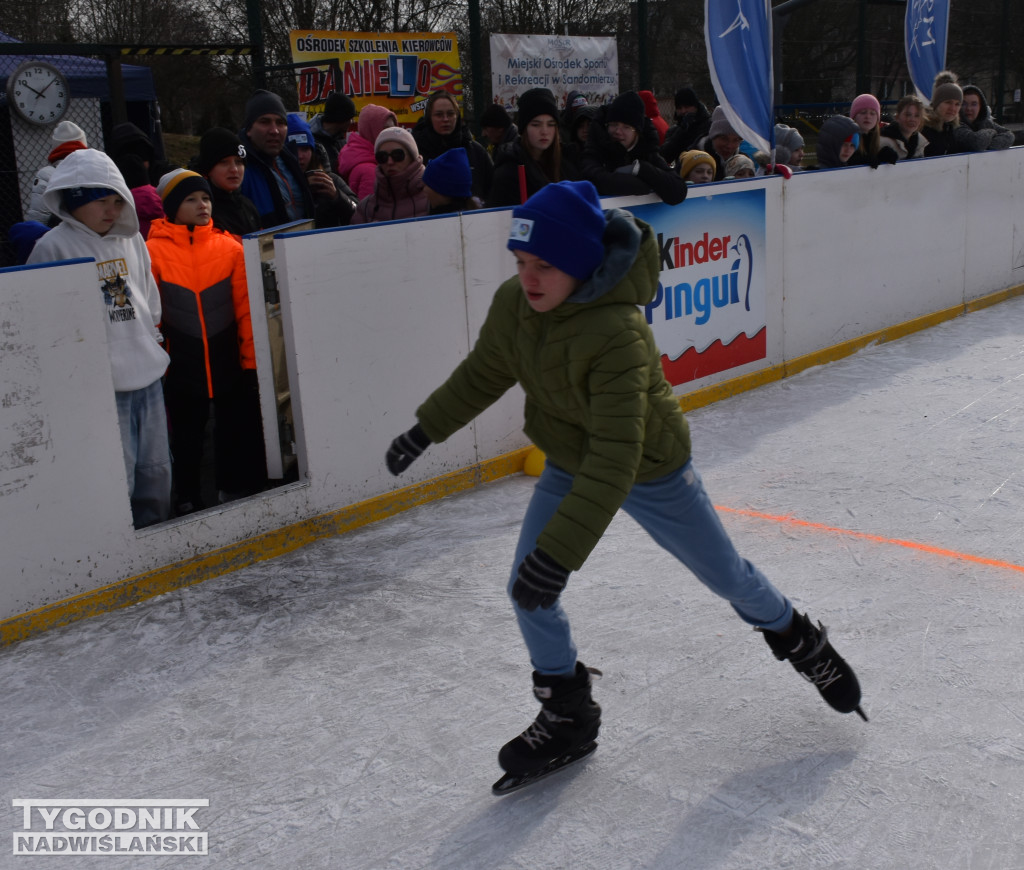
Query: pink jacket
[
  {"x": 148, "y": 206},
  {"x": 356, "y": 164}
]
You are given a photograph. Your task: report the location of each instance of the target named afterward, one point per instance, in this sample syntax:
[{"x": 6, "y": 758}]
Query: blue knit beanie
[
  {"x": 76, "y": 197},
  {"x": 563, "y": 224},
  {"x": 299, "y": 133},
  {"x": 449, "y": 174}
]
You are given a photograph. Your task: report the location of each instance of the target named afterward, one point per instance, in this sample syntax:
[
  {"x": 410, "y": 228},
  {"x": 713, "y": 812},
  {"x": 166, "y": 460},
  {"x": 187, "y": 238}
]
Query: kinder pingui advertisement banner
[
  {"x": 710, "y": 313},
  {"x": 395, "y": 70}
]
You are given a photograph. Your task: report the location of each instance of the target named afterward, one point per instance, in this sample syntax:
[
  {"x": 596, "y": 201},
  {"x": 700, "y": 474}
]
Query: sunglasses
[{"x": 398, "y": 155}]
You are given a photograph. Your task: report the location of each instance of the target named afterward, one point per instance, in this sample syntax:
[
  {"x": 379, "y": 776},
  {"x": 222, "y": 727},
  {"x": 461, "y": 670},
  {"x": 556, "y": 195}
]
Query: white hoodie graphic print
[{"x": 125, "y": 282}]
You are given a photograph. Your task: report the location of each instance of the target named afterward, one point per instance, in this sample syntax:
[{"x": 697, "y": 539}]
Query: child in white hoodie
[{"x": 98, "y": 220}]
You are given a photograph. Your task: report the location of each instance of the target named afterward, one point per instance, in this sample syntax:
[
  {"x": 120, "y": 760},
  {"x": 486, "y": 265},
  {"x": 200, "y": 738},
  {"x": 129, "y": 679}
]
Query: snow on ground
[{"x": 342, "y": 707}]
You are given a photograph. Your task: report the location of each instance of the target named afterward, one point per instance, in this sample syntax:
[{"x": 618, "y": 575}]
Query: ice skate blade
[
  {"x": 861, "y": 713},
  {"x": 511, "y": 782}
]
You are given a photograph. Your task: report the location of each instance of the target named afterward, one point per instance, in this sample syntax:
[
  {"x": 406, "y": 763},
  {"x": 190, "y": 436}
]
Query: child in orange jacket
[{"x": 208, "y": 329}]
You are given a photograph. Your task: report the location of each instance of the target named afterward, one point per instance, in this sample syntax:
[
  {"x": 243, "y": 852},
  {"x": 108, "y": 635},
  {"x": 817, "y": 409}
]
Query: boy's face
[
  {"x": 971, "y": 107},
  {"x": 726, "y": 144},
  {"x": 494, "y": 135},
  {"x": 100, "y": 214},
  {"x": 228, "y": 174},
  {"x": 625, "y": 135},
  {"x": 846, "y": 151},
  {"x": 702, "y": 173},
  {"x": 545, "y": 286},
  {"x": 195, "y": 209}
]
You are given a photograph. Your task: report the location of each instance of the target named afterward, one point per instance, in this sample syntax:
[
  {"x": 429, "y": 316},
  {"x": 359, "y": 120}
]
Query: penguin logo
[{"x": 743, "y": 264}]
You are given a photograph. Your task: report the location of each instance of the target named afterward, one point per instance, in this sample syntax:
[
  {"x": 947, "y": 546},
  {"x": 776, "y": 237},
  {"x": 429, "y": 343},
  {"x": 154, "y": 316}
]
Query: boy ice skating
[
  {"x": 98, "y": 220},
  {"x": 568, "y": 329}
]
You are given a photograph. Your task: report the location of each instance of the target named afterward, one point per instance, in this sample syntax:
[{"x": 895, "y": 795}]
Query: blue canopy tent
[
  {"x": 87, "y": 75},
  {"x": 22, "y": 151}
]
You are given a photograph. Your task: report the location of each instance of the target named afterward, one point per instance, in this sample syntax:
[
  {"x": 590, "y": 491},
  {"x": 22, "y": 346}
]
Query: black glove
[
  {"x": 539, "y": 582},
  {"x": 405, "y": 448}
]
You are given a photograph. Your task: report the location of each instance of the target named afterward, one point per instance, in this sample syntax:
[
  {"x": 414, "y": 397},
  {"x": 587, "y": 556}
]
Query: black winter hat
[
  {"x": 214, "y": 146},
  {"x": 627, "y": 108},
  {"x": 339, "y": 109},
  {"x": 495, "y": 116},
  {"x": 263, "y": 103},
  {"x": 533, "y": 103},
  {"x": 686, "y": 97}
]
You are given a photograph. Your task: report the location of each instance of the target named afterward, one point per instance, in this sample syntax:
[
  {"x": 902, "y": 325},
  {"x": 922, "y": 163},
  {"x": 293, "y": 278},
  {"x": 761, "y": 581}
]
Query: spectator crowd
[{"x": 179, "y": 324}]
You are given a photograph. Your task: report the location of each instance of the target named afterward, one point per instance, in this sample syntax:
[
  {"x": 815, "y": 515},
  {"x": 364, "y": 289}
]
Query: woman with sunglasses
[{"x": 398, "y": 193}]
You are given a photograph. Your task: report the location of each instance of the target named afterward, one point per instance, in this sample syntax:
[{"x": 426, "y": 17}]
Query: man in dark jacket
[
  {"x": 692, "y": 122},
  {"x": 621, "y": 154},
  {"x": 273, "y": 179}
]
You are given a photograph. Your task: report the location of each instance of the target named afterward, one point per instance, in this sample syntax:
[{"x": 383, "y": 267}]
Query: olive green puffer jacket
[{"x": 597, "y": 402}]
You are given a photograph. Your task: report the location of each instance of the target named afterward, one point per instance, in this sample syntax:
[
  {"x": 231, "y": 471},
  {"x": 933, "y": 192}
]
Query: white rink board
[{"x": 375, "y": 317}]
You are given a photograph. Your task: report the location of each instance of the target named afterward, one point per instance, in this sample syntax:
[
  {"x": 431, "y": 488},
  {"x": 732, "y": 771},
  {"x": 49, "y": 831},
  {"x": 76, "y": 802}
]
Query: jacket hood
[
  {"x": 357, "y": 150},
  {"x": 831, "y": 136},
  {"x": 91, "y": 168},
  {"x": 650, "y": 104},
  {"x": 625, "y": 275},
  {"x": 986, "y": 110}
]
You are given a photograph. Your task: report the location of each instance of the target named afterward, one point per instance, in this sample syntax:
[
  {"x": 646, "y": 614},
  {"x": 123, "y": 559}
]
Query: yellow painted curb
[
  {"x": 275, "y": 543},
  {"x": 268, "y": 545}
]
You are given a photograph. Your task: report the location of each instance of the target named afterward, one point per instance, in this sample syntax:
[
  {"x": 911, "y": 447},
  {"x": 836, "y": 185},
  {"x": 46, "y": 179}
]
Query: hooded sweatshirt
[
  {"x": 124, "y": 280},
  {"x": 597, "y": 401}
]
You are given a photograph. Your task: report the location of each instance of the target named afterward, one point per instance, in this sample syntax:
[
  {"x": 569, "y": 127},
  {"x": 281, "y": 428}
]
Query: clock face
[{"x": 38, "y": 92}]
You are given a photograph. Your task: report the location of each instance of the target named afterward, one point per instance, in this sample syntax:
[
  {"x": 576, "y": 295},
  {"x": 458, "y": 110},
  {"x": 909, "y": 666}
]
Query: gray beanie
[
  {"x": 946, "y": 88},
  {"x": 720, "y": 125},
  {"x": 263, "y": 103}
]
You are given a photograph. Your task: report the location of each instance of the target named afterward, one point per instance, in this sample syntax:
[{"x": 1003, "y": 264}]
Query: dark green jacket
[{"x": 597, "y": 402}]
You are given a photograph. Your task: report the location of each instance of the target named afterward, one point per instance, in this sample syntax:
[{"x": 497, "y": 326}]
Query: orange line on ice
[{"x": 910, "y": 545}]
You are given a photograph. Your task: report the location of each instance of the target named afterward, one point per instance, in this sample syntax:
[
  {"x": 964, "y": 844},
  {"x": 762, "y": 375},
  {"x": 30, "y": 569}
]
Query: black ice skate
[
  {"x": 563, "y": 732},
  {"x": 808, "y": 650}
]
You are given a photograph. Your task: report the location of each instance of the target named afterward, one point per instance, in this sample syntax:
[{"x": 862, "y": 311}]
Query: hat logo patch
[{"x": 522, "y": 229}]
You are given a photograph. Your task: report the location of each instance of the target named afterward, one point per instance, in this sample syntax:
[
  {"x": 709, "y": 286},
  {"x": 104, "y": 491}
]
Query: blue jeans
[
  {"x": 677, "y": 513},
  {"x": 147, "y": 453}
]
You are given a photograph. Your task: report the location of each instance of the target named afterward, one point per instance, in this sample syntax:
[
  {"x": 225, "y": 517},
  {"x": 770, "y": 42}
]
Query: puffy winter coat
[
  {"x": 357, "y": 165},
  {"x": 508, "y": 158},
  {"x": 603, "y": 157},
  {"x": 234, "y": 212},
  {"x": 597, "y": 401},
  {"x": 394, "y": 197},
  {"x": 895, "y": 147},
  {"x": 206, "y": 321}
]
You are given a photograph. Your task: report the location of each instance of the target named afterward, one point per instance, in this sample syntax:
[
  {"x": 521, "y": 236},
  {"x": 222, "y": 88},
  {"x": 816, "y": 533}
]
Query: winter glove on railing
[
  {"x": 405, "y": 448},
  {"x": 539, "y": 582}
]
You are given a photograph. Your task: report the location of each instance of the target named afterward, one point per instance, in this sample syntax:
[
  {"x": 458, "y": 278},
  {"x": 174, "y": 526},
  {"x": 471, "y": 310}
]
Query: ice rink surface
[{"x": 342, "y": 707}]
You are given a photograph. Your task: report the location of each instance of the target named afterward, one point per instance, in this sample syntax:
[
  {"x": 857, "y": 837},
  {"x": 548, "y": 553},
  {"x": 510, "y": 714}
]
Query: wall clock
[{"x": 38, "y": 92}]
